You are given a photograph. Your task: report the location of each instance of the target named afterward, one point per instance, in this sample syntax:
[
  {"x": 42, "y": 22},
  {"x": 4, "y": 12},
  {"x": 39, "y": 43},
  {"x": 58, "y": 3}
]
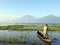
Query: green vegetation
[
  {"x": 20, "y": 39},
  {"x": 19, "y": 27},
  {"x": 33, "y": 40},
  {"x": 13, "y": 40},
  {"x": 28, "y": 27}
]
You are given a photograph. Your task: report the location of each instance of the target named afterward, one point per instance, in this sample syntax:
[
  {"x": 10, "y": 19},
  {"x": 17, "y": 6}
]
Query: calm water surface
[{"x": 55, "y": 37}]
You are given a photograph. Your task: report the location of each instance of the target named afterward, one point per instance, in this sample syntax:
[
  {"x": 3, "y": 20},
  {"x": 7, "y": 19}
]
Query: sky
[{"x": 12, "y": 9}]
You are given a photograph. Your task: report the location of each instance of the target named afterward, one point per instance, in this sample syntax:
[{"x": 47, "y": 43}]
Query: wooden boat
[{"x": 41, "y": 37}]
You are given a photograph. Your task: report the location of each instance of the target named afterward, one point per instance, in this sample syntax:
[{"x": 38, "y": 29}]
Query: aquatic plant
[
  {"x": 33, "y": 40},
  {"x": 29, "y": 28},
  {"x": 13, "y": 40}
]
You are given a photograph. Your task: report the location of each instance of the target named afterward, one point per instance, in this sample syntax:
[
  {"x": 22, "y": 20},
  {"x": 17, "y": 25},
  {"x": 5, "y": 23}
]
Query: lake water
[
  {"x": 55, "y": 37},
  {"x": 37, "y": 24}
]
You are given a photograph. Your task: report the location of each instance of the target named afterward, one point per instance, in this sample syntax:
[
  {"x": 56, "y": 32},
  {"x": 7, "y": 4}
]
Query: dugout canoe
[{"x": 41, "y": 37}]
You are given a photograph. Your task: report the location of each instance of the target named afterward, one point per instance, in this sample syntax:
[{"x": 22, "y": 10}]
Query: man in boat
[
  {"x": 44, "y": 37},
  {"x": 45, "y": 31}
]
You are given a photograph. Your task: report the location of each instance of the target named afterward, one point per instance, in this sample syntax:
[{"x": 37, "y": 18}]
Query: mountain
[
  {"x": 31, "y": 19},
  {"x": 27, "y": 19},
  {"x": 50, "y": 19}
]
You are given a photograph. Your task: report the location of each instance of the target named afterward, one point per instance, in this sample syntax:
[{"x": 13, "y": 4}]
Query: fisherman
[
  {"x": 45, "y": 31},
  {"x": 44, "y": 37}
]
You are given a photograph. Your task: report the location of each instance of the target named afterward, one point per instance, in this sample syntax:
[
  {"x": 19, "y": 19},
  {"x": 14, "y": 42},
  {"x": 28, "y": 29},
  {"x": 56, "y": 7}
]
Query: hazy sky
[{"x": 10, "y": 9}]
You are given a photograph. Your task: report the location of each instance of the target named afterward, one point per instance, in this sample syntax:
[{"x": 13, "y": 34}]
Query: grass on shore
[{"x": 28, "y": 28}]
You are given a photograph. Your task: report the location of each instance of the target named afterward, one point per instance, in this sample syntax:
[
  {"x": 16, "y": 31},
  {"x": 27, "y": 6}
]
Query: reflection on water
[{"x": 55, "y": 36}]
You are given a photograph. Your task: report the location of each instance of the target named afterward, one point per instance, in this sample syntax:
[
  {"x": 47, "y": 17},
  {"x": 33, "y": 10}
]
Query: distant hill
[
  {"x": 31, "y": 19},
  {"x": 27, "y": 19},
  {"x": 50, "y": 19}
]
